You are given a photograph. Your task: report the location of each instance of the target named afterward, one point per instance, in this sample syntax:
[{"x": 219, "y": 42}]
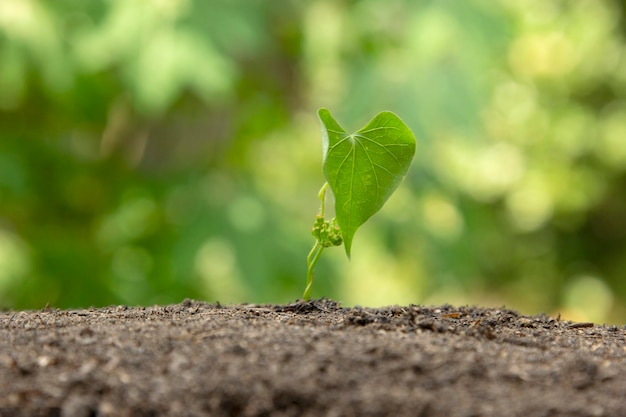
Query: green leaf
[{"x": 364, "y": 168}]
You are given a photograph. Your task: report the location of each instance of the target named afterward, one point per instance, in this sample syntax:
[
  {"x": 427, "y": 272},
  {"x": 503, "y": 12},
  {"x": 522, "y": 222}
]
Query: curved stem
[
  {"x": 310, "y": 256},
  {"x": 311, "y": 260},
  {"x": 322, "y": 196}
]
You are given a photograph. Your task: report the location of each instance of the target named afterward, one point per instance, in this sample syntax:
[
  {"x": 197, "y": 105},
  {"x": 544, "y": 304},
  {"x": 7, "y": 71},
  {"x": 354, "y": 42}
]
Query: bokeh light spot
[
  {"x": 587, "y": 298},
  {"x": 216, "y": 264},
  {"x": 441, "y": 218},
  {"x": 530, "y": 205},
  {"x": 246, "y": 213},
  {"x": 14, "y": 260}
]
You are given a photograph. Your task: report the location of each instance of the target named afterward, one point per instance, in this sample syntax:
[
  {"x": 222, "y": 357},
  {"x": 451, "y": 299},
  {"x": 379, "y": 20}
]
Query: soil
[{"x": 311, "y": 358}]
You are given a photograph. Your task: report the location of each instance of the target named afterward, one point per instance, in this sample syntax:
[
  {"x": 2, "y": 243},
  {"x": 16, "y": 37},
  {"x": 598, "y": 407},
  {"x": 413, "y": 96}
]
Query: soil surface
[{"x": 311, "y": 358}]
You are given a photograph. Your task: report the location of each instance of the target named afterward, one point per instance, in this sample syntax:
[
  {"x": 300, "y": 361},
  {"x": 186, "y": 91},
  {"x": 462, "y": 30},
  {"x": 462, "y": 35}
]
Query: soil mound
[{"x": 311, "y": 358}]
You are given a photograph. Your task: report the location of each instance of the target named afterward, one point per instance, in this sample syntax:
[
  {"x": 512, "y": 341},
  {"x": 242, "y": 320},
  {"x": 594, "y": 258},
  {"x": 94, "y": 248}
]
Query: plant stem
[
  {"x": 317, "y": 250},
  {"x": 322, "y": 196},
  {"x": 311, "y": 260}
]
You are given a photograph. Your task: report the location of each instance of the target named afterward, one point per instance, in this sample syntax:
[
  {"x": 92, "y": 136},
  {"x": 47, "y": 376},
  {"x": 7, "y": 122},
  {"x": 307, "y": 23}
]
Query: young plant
[{"x": 362, "y": 170}]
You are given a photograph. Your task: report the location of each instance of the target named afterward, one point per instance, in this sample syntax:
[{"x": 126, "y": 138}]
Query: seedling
[{"x": 362, "y": 170}]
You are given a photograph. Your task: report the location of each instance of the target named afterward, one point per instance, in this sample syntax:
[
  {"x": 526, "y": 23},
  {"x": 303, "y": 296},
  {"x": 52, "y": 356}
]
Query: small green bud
[{"x": 327, "y": 232}]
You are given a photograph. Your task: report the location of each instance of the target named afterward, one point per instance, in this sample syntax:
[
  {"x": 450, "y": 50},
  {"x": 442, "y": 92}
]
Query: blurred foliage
[{"x": 153, "y": 150}]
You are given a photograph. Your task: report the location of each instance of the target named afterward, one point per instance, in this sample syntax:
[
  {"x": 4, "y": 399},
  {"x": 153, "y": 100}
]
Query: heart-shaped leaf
[{"x": 364, "y": 168}]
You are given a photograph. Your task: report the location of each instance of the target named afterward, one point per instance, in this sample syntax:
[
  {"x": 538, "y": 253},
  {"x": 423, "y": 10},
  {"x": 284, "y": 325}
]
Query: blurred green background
[{"x": 152, "y": 150}]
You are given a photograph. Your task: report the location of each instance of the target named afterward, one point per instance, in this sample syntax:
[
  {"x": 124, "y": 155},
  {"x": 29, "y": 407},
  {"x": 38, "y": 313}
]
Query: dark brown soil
[{"x": 307, "y": 359}]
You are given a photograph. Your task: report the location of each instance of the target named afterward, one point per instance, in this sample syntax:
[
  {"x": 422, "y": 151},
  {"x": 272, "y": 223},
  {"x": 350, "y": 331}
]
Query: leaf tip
[{"x": 348, "y": 245}]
